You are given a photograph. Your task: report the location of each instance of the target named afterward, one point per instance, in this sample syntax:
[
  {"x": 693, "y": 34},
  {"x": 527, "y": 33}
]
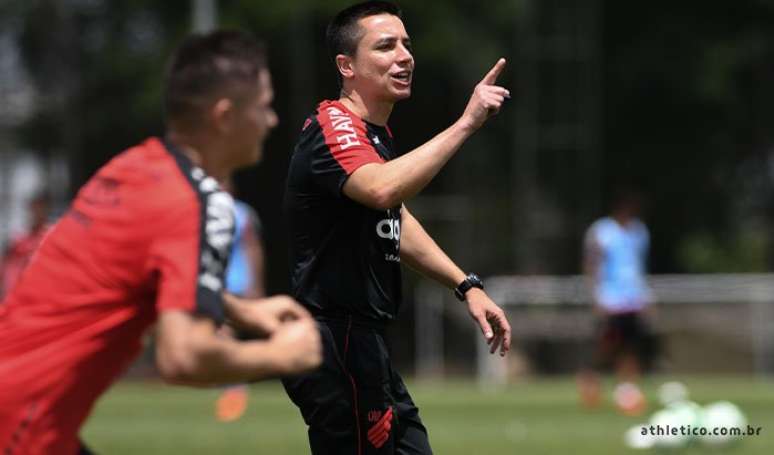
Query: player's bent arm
[
  {"x": 189, "y": 352},
  {"x": 420, "y": 252},
  {"x": 262, "y": 316},
  {"x": 387, "y": 185}
]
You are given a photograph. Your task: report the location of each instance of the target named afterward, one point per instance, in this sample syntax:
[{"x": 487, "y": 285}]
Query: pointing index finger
[{"x": 491, "y": 76}]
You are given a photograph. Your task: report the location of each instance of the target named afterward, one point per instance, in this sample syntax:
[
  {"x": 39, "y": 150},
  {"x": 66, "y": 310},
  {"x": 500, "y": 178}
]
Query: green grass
[{"x": 536, "y": 417}]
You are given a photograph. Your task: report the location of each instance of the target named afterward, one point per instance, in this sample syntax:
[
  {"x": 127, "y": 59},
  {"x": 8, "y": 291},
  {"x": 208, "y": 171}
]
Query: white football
[
  {"x": 634, "y": 438},
  {"x": 672, "y": 392},
  {"x": 725, "y": 418}
]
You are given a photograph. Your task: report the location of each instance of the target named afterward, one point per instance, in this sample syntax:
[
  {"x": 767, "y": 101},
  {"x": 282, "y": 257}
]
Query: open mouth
[{"x": 402, "y": 76}]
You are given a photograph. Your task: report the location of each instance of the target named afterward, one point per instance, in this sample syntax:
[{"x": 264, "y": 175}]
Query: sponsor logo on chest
[{"x": 389, "y": 229}]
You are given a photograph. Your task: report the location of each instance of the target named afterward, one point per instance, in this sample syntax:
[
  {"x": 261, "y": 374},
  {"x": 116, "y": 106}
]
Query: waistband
[{"x": 345, "y": 319}]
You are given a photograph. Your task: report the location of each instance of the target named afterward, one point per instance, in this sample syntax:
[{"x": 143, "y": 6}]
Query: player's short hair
[
  {"x": 344, "y": 32},
  {"x": 206, "y": 66}
]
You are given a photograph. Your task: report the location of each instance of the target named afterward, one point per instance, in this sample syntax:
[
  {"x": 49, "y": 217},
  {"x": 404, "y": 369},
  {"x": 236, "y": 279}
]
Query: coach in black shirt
[{"x": 350, "y": 231}]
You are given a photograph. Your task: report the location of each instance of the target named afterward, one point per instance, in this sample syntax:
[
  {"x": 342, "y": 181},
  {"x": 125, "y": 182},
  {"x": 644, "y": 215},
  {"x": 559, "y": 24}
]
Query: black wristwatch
[{"x": 470, "y": 281}]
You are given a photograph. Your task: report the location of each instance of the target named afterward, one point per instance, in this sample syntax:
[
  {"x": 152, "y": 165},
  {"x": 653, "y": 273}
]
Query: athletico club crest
[
  {"x": 379, "y": 432},
  {"x": 374, "y": 416}
]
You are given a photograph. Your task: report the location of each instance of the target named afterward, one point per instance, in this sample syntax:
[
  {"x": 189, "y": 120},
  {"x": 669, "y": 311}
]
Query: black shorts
[
  {"x": 355, "y": 403},
  {"x": 624, "y": 334}
]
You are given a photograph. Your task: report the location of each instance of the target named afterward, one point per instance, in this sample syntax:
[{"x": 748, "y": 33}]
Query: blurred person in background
[
  {"x": 350, "y": 230},
  {"x": 146, "y": 241},
  {"x": 245, "y": 271},
  {"x": 615, "y": 262},
  {"x": 244, "y": 278},
  {"x": 21, "y": 248}
]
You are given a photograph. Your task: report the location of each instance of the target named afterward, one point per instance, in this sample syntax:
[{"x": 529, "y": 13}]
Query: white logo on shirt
[
  {"x": 388, "y": 229},
  {"x": 218, "y": 230},
  {"x": 343, "y": 122}
]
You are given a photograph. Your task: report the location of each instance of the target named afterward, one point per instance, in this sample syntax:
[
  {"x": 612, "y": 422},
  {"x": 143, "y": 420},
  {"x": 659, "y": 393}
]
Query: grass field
[{"x": 536, "y": 417}]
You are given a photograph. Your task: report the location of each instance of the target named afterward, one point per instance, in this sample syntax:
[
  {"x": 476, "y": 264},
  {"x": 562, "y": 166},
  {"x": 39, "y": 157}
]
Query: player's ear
[
  {"x": 344, "y": 65},
  {"x": 221, "y": 114}
]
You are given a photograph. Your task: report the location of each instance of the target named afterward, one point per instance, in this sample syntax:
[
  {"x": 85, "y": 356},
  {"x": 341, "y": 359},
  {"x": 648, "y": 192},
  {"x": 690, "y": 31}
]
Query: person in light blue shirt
[
  {"x": 244, "y": 273},
  {"x": 615, "y": 261},
  {"x": 616, "y": 255},
  {"x": 244, "y": 278}
]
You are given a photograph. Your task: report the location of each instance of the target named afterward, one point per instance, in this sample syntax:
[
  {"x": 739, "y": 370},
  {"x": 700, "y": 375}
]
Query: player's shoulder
[
  {"x": 638, "y": 223},
  {"x": 150, "y": 175},
  {"x": 319, "y": 126},
  {"x": 601, "y": 230},
  {"x": 311, "y": 131},
  {"x": 148, "y": 161},
  {"x": 603, "y": 224},
  {"x": 639, "y": 227},
  {"x": 336, "y": 120}
]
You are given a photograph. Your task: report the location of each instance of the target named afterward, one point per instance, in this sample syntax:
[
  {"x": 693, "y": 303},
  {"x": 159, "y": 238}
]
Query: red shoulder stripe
[{"x": 345, "y": 135}]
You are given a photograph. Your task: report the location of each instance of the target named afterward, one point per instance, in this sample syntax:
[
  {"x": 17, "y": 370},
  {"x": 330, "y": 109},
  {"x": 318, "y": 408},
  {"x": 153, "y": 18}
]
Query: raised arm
[
  {"x": 420, "y": 252},
  {"x": 386, "y": 185}
]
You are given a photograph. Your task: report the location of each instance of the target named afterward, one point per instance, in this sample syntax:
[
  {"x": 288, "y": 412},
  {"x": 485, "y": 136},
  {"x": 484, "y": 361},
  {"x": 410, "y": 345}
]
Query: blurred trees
[
  {"x": 686, "y": 99},
  {"x": 689, "y": 112}
]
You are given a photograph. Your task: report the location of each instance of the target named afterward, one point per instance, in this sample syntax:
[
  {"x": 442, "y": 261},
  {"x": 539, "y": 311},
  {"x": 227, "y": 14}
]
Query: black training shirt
[{"x": 344, "y": 256}]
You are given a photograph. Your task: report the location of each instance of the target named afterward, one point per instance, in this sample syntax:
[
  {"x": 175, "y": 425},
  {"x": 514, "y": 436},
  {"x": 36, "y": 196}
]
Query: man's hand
[
  {"x": 486, "y": 100},
  {"x": 298, "y": 343},
  {"x": 188, "y": 351},
  {"x": 491, "y": 319},
  {"x": 263, "y": 317}
]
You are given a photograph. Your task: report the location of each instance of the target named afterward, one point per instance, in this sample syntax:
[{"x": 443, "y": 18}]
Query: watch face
[{"x": 475, "y": 280}]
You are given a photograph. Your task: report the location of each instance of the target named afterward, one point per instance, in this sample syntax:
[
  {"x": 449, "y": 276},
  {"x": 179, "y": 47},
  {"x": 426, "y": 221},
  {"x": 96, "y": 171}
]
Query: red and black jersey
[
  {"x": 344, "y": 256},
  {"x": 150, "y": 232}
]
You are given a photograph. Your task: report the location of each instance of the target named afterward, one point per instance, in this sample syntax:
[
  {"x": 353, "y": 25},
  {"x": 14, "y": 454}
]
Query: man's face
[
  {"x": 383, "y": 65},
  {"x": 253, "y": 120}
]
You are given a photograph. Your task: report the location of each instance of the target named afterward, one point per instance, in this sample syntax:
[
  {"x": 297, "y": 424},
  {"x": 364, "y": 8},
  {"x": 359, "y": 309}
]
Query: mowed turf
[{"x": 540, "y": 416}]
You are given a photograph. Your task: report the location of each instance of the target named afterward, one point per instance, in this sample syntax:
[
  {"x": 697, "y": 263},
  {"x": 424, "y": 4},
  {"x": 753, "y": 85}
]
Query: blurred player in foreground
[
  {"x": 146, "y": 241},
  {"x": 21, "y": 248},
  {"x": 350, "y": 230},
  {"x": 244, "y": 278},
  {"x": 615, "y": 260}
]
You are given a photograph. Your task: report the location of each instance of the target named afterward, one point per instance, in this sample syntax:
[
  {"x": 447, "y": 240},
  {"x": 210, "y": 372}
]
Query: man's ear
[
  {"x": 344, "y": 65},
  {"x": 221, "y": 114}
]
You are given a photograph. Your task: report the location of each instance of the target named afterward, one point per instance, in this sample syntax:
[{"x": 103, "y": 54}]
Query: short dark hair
[
  {"x": 208, "y": 65},
  {"x": 344, "y": 33},
  {"x": 626, "y": 197}
]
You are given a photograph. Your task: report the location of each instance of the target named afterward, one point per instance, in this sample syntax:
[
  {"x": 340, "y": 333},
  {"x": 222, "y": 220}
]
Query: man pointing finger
[{"x": 350, "y": 230}]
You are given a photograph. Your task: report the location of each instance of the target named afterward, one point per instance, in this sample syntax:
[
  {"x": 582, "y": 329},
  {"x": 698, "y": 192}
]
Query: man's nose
[{"x": 404, "y": 55}]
